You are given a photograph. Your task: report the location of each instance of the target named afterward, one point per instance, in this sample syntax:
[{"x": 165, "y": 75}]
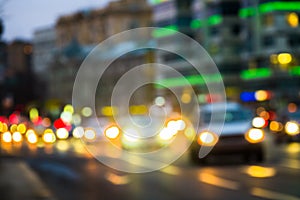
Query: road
[{"x": 71, "y": 173}]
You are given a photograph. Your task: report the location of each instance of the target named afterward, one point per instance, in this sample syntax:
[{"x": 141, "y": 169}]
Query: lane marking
[
  {"x": 268, "y": 194},
  {"x": 145, "y": 163},
  {"x": 116, "y": 179},
  {"x": 259, "y": 171},
  {"x": 217, "y": 181},
  {"x": 171, "y": 170},
  {"x": 290, "y": 163}
]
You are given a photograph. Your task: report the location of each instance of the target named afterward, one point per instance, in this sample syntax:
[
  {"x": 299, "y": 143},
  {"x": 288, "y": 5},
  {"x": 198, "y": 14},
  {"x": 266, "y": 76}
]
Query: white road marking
[
  {"x": 116, "y": 179},
  {"x": 290, "y": 163},
  {"x": 268, "y": 194},
  {"x": 217, "y": 181}
]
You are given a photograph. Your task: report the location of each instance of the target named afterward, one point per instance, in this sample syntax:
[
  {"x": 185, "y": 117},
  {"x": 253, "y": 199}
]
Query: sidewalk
[{"x": 19, "y": 182}]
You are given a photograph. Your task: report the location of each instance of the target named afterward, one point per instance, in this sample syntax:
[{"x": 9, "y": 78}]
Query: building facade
[
  {"x": 93, "y": 26},
  {"x": 273, "y": 46},
  {"x": 255, "y": 44},
  {"x": 79, "y": 33}
]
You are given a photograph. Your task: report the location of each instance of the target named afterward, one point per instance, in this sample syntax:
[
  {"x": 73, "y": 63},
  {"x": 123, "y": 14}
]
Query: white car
[{"x": 236, "y": 134}]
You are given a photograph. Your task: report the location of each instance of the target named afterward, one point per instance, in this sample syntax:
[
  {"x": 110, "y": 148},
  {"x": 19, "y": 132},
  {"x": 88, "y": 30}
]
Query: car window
[
  {"x": 230, "y": 116},
  {"x": 294, "y": 115}
]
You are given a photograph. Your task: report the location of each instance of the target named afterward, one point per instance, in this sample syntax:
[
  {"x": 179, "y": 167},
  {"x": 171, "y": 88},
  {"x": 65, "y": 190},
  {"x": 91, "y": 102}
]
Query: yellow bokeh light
[
  {"x": 69, "y": 108},
  {"x": 86, "y": 111},
  {"x": 258, "y": 122},
  {"x": 276, "y": 126},
  {"x": 32, "y": 138},
  {"x": 284, "y": 58},
  {"x": 261, "y": 95},
  {"x": 33, "y": 114},
  {"x": 255, "y": 135},
  {"x": 112, "y": 132},
  {"x": 260, "y": 172},
  {"x": 292, "y": 128},
  {"x": 207, "y": 138},
  {"x": 186, "y": 98},
  {"x": 49, "y": 137},
  {"x": 109, "y": 111},
  {"x": 4, "y": 127},
  {"x": 13, "y": 128},
  {"x": 21, "y": 128},
  {"x": 292, "y": 19}
]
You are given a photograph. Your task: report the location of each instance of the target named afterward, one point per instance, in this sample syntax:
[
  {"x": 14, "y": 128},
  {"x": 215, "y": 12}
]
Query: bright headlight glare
[
  {"x": 180, "y": 124},
  {"x": 166, "y": 134},
  {"x": 112, "y": 132},
  {"x": 62, "y": 133},
  {"x": 49, "y": 137},
  {"x": 78, "y": 132},
  {"x": 17, "y": 137},
  {"x": 255, "y": 135},
  {"x": 258, "y": 122},
  {"x": 207, "y": 138},
  {"x": 130, "y": 138},
  {"x": 6, "y": 137},
  {"x": 32, "y": 138},
  {"x": 292, "y": 128},
  {"x": 90, "y": 134}
]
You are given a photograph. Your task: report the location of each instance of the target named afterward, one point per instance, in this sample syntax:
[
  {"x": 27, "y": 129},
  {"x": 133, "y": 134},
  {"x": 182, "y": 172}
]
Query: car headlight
[
  {"x": 90, "y": 134},
  {"x": 112, "y": 132},
  {"x": 167, "y": 134},
  {"x": 291, "y": 128},
  {"x": 258, "y": 122},
  {"x": 207, "y": 138},
  {"x": 49, "y": 136},
  {"x": 255, "y": 135}
]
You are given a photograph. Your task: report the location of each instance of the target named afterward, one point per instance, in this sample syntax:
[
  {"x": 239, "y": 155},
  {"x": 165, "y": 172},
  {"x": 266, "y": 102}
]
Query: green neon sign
[
  {"x": 196, "y": 23},
  {"x": 256, "y": 73},
  {"x": 247, "y": 12},
  {"x": 214, "y": 20},
  {"x": 189, "y": 80},
  {"x": 295, "y": 71},
  {"x": 165, "y": 31},
  {"x": 279, "y": 6},
  {"x": 155, "y": 2}
]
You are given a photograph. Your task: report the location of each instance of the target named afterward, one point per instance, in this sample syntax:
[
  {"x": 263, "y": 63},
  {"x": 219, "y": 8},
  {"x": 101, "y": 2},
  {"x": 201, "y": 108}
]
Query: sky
[{"x": 22, "y": 17}]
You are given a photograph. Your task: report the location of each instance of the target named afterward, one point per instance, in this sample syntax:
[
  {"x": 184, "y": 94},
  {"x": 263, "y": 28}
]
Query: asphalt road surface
[{"x": 70, "y": 173}]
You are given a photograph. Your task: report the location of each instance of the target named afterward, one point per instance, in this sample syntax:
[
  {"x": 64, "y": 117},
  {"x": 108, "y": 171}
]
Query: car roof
[{"x": 221, "y": 106}]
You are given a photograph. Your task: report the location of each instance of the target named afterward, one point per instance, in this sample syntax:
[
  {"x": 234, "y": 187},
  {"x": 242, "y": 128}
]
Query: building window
[
  {"x": 230, "y": 7},
  {"x": 268, "y": 20},
  {"x": 268, "y": 41},
  {"x": 236, "y": 29},
  {"x": 294, "y": 40},
  {"x": 213, "y": 31}
]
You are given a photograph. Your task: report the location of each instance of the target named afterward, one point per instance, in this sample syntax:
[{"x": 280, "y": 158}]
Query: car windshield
[
  {"x": 230, "y": 116},
  {"x": 294, "y": 116}
]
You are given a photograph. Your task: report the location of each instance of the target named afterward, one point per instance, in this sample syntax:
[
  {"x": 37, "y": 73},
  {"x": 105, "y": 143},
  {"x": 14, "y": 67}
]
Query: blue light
[{"x": 247, "y": 96}]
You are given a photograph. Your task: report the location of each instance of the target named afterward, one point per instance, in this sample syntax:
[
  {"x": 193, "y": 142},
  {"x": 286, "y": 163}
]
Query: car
[
  {"x": 290, "y": 123},
  {"x": 143, "y": 134},
  {"x": 236, "y": 136}
]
